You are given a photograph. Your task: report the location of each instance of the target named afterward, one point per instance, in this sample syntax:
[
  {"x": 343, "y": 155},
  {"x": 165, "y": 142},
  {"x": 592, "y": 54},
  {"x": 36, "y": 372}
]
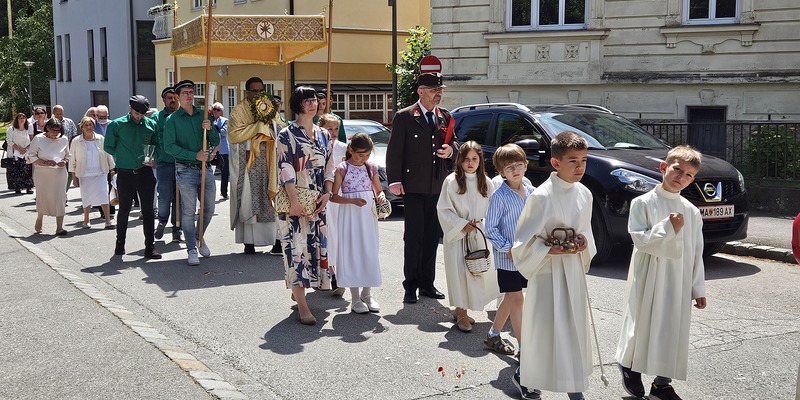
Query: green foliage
[
  {"x": 32, "y": 41},
  {"x": 419, "y": 45},
  {"x": 773, "y": 152}
]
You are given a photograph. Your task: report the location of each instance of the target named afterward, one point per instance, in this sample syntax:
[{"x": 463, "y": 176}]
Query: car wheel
[
  {"x": 709, "y": 249},
  {"x": 602, "y": 239}
]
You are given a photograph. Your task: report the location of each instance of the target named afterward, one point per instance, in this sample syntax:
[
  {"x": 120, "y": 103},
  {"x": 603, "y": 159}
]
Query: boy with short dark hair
[
  {"x": 555, "y": 322},
  {"x": 505, "y": 205},
  {"x": 666, "y": 273}
]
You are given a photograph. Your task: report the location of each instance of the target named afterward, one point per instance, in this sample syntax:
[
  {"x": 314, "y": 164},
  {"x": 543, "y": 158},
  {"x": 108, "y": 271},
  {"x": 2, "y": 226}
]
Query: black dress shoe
[
  {"x": 249, "y": 248},
  {"x": 410, "y": 297},
  {"x": 432, "y": 293},
  {"x": 152, "y": 254},
  {"x": 119, "y": 249}
]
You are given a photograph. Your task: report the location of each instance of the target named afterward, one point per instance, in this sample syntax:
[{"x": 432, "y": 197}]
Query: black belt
[
  {"x": 190, "y": 165},
  {"x": 134, "y": 171}
]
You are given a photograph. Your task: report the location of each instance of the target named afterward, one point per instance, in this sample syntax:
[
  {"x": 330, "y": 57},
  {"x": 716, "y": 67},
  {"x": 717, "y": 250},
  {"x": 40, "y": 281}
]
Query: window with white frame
[
  {"x": 365, "y": 106},
  {"x": 199, "y": 95},
  {"x": 197, "y": 4},
  {"x": 170, "y": 77},
  {"x": 546, "y": 14},
  {"x": 230, "y": 92},
  {"x": 711, "y": 11}
]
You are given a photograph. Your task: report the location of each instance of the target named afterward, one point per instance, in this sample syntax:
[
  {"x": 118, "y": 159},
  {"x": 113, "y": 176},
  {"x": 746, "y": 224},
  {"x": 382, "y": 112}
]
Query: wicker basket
[
  {"x": 383, "y": 210},
  {"x": 477, "y": 260}
]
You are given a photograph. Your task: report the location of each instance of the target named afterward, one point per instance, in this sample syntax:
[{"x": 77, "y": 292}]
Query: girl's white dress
[
  {"x": 357, "y": 262},
  {"x": 465, "y": 290},
  {"x": 332, "y": 209}
]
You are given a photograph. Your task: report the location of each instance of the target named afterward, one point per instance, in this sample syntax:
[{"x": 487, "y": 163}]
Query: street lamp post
[{"x": 29, "y": 64}]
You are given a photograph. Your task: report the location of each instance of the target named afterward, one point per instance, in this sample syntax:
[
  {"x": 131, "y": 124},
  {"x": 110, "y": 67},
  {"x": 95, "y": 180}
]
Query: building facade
[
  {"x": 649, "y": 60},
  {"x": 104, "y": 54},
  {"x": 361, "y": 47}
]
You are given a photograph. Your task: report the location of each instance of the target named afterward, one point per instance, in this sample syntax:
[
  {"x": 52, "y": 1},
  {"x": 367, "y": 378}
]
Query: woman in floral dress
[{"x": 305, "y": 162}]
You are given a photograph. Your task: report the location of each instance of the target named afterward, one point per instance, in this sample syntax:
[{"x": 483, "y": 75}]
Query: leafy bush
[
  {"x": 419, "y": 45},
  {"x": 773, "y": 152}
]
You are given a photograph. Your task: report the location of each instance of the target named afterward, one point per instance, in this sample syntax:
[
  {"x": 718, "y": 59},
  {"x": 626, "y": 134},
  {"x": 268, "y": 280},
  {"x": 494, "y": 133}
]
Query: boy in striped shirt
[{"x": 505, "y": 206}]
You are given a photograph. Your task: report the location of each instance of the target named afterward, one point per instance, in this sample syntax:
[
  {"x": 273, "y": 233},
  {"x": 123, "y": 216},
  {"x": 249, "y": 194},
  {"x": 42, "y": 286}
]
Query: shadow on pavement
[
  {"x": 716, "y": 267},
  {"x": 289, "y": 336},
  {"x": 427, "y": 314}
]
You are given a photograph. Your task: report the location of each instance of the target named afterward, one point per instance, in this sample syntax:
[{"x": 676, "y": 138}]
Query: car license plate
[{"x": 716, "y": 212}]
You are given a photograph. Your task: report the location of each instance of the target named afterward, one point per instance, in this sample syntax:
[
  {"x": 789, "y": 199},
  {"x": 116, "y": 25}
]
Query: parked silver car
[{"x": 380, "y": 136}]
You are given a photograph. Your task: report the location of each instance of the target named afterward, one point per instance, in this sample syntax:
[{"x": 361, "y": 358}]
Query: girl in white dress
[
  {"x": 356, "y": 188},
  {"x": 462, "y": 208}
]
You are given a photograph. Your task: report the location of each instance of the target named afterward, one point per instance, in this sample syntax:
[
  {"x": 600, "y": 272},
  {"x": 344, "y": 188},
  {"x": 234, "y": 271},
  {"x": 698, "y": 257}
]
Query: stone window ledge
[
  {"x": 678, "y": 34},
  {"x": 545, "y": 36}
]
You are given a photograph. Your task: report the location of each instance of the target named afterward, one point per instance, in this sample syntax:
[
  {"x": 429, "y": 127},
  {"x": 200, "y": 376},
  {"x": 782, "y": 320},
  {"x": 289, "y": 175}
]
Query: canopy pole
[
  {"x": 205, "y": 132},
  {"x": 174, "y": 81},
  {"x": 287, "y": 91},
  {"x": 330, "y": 37}
]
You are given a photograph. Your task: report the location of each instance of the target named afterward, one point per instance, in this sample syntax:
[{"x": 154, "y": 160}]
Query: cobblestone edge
[
  {"x": 766, "y": 252},
  {"x": 209, "y": 380}
]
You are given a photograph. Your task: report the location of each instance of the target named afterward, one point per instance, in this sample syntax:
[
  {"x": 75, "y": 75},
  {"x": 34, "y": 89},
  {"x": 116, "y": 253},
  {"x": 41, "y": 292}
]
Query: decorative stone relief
[
  {"x": 514, "y": 53},
  {"x": 543, "y": 52},
  {"x": 571, "y": 51}
]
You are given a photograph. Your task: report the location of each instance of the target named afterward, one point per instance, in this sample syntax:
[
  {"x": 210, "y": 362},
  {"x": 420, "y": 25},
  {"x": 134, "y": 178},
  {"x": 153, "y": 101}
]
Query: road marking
[{"x": 212, "y": 382}]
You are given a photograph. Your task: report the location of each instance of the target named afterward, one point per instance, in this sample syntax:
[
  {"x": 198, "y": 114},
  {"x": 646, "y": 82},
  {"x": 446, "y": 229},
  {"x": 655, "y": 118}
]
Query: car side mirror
[{"x": 528, "y": 145}]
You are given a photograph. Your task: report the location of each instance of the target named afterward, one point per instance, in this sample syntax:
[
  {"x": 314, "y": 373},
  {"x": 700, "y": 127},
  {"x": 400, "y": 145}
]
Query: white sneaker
[
  {"x": 193, "y": 260},
  {"x": 204, "y": 250},
  {"x": 359, "y": 307},
  {"x": 372, "y": 305}
]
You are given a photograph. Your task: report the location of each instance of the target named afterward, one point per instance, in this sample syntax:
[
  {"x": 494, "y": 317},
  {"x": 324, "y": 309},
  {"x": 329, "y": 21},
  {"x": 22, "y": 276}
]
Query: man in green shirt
[
  {"x": 183, "y": 139},
  {"x": 165, "y": 169},
  {"x": 126, "y": 138}
]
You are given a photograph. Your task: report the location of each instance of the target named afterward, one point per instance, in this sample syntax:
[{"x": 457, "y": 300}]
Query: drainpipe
[
  {"x": 291, "y": 66},
  {"x": 133, "y": 47}
]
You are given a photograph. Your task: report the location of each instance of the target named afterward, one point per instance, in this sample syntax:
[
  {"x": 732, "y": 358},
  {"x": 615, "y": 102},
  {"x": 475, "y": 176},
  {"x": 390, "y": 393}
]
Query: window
[
  {"x": 146, "y": 51},
  {"x": 362, "y": 105},
  {"x": 513, "y": 127},
  {"x": 196, "y": 4},
  {"x": 68, "y": 58},
  {"x": 546, "y": 14},
  {"x": 711, "y": 11},
  {"x": 474, "y": 127},
  {"x": 103, "y": 56},
  {"x": 99, "y": 97},
  {"x": 60, "y": 55},
  {"x": 90, "y": 52},
  {"x": 200, "y": 95},
  {"x": 230, "y": 93},
  {"x": 170, "y": 77}
]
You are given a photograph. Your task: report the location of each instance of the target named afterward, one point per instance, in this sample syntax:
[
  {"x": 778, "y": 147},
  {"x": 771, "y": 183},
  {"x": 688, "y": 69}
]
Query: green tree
[
  {"x": 419, "y": 45},
  {"x": 32, "y": 41}
]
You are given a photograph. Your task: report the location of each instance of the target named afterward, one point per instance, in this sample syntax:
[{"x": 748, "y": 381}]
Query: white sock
[{"x": 354, "y": 294}]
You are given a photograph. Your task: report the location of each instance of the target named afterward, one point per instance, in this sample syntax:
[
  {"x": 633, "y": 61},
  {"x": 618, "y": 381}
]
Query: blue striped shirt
[{"x": 505, "y": 206}]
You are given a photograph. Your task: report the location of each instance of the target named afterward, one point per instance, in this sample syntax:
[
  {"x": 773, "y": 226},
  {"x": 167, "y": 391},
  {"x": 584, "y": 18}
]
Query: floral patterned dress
[{"x": 307, "y": 164}]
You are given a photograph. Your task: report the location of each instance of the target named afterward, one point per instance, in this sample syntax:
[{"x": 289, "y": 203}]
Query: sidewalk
[
  {"x": 768, "y": 237},
  {"x": 55, "y": 339}
]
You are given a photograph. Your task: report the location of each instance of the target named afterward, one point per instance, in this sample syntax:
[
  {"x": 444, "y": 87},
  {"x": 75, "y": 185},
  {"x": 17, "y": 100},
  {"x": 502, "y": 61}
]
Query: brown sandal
[
  {"x": 499, "y": 345},
  {"x": 471, "y": 320}
]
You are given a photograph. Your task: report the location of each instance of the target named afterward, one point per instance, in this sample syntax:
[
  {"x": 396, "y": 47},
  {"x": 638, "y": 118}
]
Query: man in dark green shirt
[
  {"x": 165, "y": 169},
  {"x": 128, "y": 138},
  {"x": 183, "y": 139}
]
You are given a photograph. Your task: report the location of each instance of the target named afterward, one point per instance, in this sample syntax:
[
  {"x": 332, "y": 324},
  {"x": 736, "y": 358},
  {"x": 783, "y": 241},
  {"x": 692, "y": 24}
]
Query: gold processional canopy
[{"x": 266, "y": 39}]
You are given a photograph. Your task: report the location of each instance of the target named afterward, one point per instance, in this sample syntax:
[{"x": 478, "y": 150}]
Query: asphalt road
[{"x": 233, "y": 314}]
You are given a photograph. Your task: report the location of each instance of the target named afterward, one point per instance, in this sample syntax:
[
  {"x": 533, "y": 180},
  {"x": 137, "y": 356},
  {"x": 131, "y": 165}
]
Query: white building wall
[
  {"x": 75, "y": 18},
  {"x": 635, "y": 57}
]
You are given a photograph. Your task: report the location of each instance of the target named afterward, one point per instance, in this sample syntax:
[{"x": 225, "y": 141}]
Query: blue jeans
[
  {"x": 165, "y": 175},
  {"x": 189, "y": 183}
]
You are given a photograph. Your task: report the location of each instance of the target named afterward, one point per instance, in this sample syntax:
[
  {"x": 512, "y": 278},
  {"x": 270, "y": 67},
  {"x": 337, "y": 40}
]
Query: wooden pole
[
  {"x": 205, "y": 133},
  {"x": 174, "y": 81},
  {"x": 287, "y": 91},
  {"x": 330, "y": 32}
]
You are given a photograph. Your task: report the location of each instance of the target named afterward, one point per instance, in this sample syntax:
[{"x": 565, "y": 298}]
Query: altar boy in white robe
[
  {"x": 666, "y": 273},
  {"x": 555, "y": 352}
]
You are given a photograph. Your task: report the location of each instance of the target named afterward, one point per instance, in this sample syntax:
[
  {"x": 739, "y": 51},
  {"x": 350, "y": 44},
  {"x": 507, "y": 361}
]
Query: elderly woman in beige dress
[
  {"x": 90, "y": 165},
  {"x": 49, "y": 152}
]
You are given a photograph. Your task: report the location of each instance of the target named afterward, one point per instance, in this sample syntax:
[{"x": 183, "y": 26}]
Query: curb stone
[
  {"x": 766, "y": 252},
  {"x": 212, "y": 382}
]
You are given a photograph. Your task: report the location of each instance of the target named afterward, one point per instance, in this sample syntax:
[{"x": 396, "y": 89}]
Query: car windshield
[
  {"x": 378, "y": 133},
  {"x": 602, "y": 131}
]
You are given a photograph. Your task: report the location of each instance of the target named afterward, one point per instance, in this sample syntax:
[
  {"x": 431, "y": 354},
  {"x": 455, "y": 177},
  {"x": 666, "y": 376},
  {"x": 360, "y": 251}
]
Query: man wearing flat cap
[
  {"x": 183, "y": 139},
  {"x": 417, "y": 162},
  {"x": 165, "y": 169},
  {"x": 125, "y": 139}
]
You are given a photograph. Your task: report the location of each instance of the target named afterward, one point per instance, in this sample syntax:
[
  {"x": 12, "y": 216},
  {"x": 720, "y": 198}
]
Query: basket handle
[{"x": 466, "y": 240}]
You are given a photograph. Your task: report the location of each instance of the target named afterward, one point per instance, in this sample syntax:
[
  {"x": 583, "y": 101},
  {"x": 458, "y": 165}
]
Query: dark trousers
[
  {"x": 226, "y": 173},
  {"x": 422, "y": 233},
  {"x": 139, "y": 182}
]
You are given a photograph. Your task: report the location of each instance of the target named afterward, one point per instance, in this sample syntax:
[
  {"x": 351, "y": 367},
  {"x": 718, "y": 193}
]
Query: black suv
[{"x": 622, "y": 163}]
